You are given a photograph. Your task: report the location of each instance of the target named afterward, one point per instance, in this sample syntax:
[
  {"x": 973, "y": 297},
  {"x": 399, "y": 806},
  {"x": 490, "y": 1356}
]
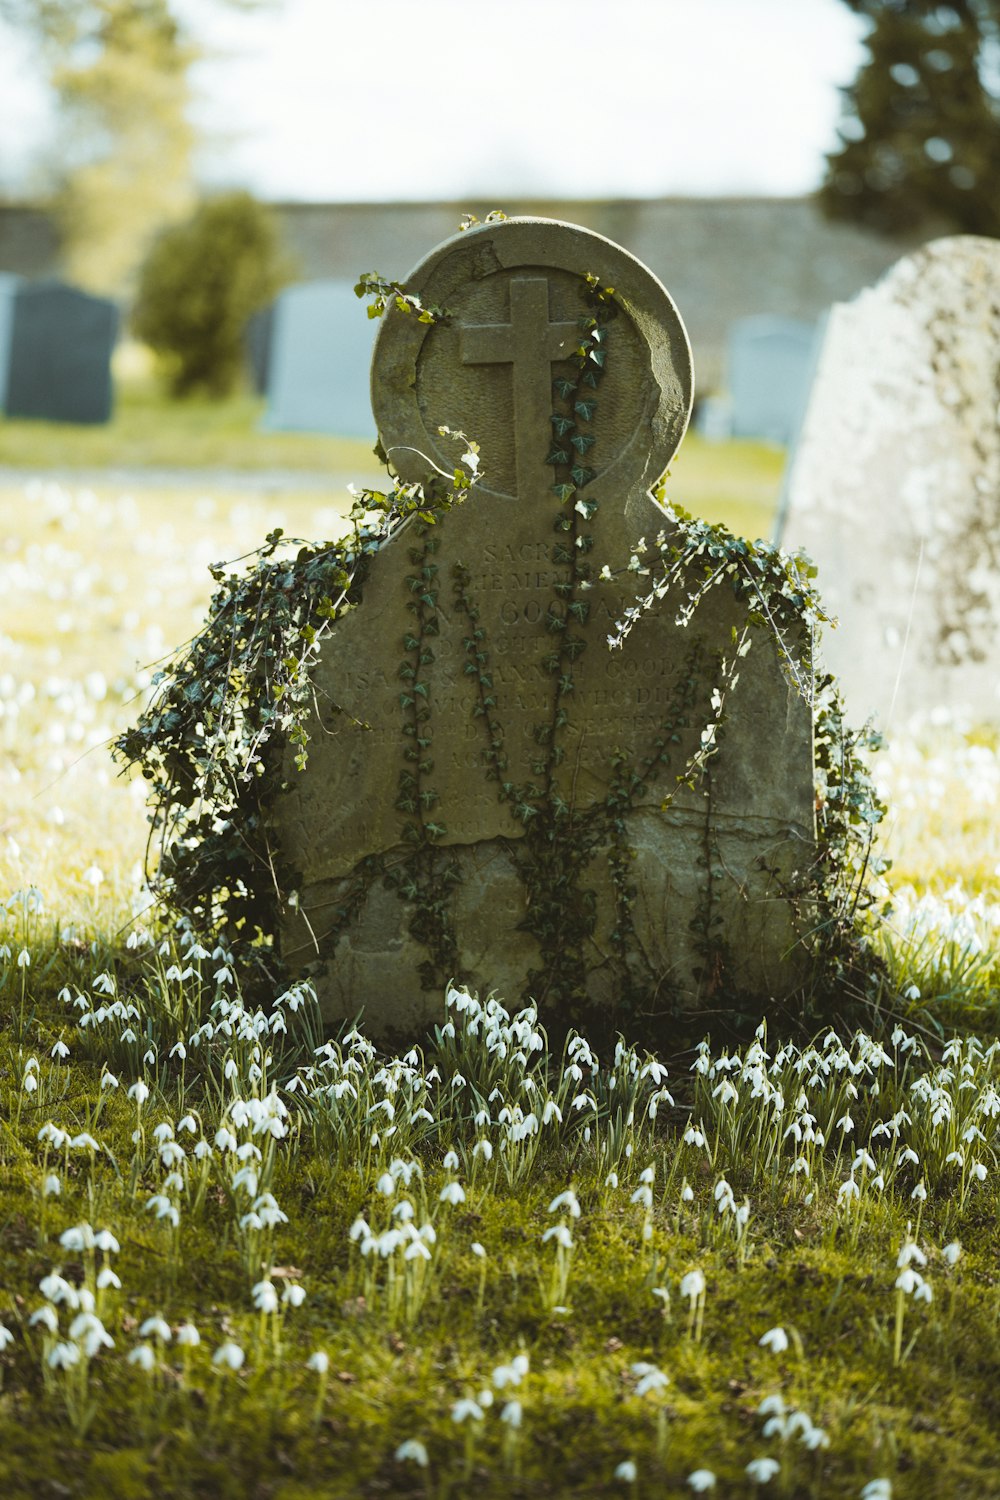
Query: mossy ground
[{"x": 93, "y": 591}]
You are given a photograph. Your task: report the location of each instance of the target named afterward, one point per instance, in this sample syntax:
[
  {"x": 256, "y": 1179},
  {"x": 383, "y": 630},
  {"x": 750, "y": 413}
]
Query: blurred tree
[
  {"x": 920, "y": 135},
  {"x": 199, "y": 286},
  {"x": 119, "y": 69}
]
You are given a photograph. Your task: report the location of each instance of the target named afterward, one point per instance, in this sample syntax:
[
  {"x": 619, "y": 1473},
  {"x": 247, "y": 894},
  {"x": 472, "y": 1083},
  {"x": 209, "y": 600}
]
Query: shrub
[{"x": 200, "y": 283}]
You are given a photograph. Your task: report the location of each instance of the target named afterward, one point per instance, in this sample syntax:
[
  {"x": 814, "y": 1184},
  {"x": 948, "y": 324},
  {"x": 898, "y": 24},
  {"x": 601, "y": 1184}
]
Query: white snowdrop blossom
[
  {"x": 230, "y": 1355},
  {"x": 775, "y": 1339},
  {"x": 627, "y": 1471},
  {"x": 762, "y": 1470},
  {"x": 701, "y": 1481},
  {"x": 413, "y": 1451},
  {"x": 452, "y": 1193}
]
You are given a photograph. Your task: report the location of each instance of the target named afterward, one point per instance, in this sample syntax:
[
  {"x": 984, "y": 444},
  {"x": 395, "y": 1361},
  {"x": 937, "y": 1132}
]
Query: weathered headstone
[
  {"x": 770, "y": 364},
  {"x": 321, "y": 348},
  {"x": 473, "y": 807},
  {"x": 893, "y": 489},
  {"x": 61, "y": 344},
  {"x": 8, "y": 290}
]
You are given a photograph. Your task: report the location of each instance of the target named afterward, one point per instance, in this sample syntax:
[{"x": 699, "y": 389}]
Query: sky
[{"x": 351, "y": 100}]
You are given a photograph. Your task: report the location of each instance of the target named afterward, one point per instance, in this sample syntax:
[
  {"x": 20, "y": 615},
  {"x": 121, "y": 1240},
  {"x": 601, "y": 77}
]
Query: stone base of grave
[{"x": 375, "y": 963}]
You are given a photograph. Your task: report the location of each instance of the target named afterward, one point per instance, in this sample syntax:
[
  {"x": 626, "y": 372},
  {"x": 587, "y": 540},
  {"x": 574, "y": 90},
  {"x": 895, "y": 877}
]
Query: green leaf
[
  {"x": 560, "y": 455},
  {"x": 585, "y": 409},
  {"x": 564, "y": 491},
  {"x": 562, "y": 424},
  {"x": 565, "y": 388},
  {"x": 582, "y": 441}
]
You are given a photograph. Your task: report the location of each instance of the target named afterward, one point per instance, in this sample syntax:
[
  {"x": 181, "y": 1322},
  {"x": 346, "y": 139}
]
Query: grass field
[{"x": 233, "y": 1265}]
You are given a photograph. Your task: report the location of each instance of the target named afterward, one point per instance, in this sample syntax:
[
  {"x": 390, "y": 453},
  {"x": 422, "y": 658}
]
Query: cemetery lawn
[
  {"x": 233, "y": 1265},
  {"x": 736, "y": 483}
]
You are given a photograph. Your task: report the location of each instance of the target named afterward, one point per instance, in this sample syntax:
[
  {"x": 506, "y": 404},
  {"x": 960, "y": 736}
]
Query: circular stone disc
[{"x": 516, "y": 295}]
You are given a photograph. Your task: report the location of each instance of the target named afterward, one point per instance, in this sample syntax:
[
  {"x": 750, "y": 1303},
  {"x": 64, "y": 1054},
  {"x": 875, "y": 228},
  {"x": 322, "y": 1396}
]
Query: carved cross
[{"x": 532, "y": 345}]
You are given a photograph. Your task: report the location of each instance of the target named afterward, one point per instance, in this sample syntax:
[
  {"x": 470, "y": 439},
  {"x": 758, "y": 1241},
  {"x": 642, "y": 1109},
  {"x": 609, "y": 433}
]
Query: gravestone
[
  {"x": 321, "y": 347},
  {"x": 770, "y": 362},
  {"x": 258, "y": 341},
  {"x": 61, "y": 344},
  {"x": 8, "y": 291},
  {"x": 471, "y": 809},
  {"x": 893, "y": 489}
]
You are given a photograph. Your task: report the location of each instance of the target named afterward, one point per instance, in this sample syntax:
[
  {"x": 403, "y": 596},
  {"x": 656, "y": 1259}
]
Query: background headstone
[
  {"x": 770, "y": 365},
  {"x": 61, "y": 344},
  {"x": 8, "y": 291},
  {"x": 469, "y": 607},
  {"x": 894, "y": 489},
  {"x": 320, "y": 356},
  {"x": 259, "y": 340}
]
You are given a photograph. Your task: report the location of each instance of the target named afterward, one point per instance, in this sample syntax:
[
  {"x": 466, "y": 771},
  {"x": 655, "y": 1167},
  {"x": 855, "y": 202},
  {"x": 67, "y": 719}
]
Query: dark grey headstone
[
  {"x": 8, "y": 291},
  {"x": 61, "y": 342},
  {"x": 770, "y": 368}
]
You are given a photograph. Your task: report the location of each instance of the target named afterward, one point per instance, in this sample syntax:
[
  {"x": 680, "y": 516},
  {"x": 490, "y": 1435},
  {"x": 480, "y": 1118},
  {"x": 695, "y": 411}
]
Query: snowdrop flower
[
  {"x": 156, "y": 1326},
  {"x": 6, "y": 1337},
  {"x": 139, "y": 1091},
  {"x": 84, "y": 1142},
  {"x": 385, "y": 1185},
  {"x": 462, "y": 1410},
  {"x": 64, "y": 1356},
  {"x": 319, "y": 1361},
  {"x": 560, "y": 1234},
  {"x": 24, "y": 959},
  {"x": 143, "y": 1356},
  {"x": 80, "y": 1237},
  {"x": 762, "y": 1470},
  {"x": 265, "y": 1298},
  {"x": 627, "y": 1471},
  {"x": 46, "y": 1316},
  {"x": 693, "y": 1285},
  {"x": 453, "y": 1193},
  {"x": 849, "y": 1190},
  {"x": 644, "y": 1195},
  {"x": 611, "y": 1180},
  {"x": 451, "y": 1161},
  {"x": 188, "y": 1336},
  {"x": 51, "y": 1187},
  {"x": 775, "y": 1339},
  {"x": 59, "y": 1050},
  {"x": 701, "y": 1481},
  {"x": 104, "y": 1240},
  {"x": 687, "y": 1194},
  {"x": 511, "y": 1374},
  {"x": 650, "y": 1378},
  {"x": 950, "y": 1253},
  {"x": 478, "y": 1249},
  {"x": 919, "y": 1192},
  {"x": 878, "y": 1489},
  {"x": 910, "y": 1250},
  {"x": 294, "y": 1294},
  {"x": 512, "y": 1413},
  {"x": 413, "y": 1450},
  {"x": 106, "y": 1277},
  {"x": 93, "y": 1333},
  {"x": 230, "y": 1355},
  {"x": 569, "y": 1200}
]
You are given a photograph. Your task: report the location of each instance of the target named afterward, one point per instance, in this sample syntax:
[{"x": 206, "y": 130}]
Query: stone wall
[{"x": 720, "y": 258}]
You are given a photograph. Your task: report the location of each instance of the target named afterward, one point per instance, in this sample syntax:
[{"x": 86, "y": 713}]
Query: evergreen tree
[{"x": 920, "y": 137}]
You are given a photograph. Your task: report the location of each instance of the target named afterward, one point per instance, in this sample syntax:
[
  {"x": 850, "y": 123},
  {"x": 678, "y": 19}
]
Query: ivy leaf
[
  {"x": 585, "y": 409},
  {"x": 562, "y": 424},
  {"x": 581, "y": 476},
  {"x": 564, "y": 388},
  {"x": 564, "y": 491},
  {"x": 582, "y": 441},
  {"x": 560, "y": 455}
]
